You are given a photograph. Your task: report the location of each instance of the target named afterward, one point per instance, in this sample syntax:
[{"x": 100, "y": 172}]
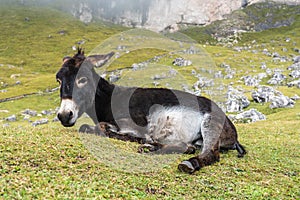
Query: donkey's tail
[{"x": 241, "y": 150}]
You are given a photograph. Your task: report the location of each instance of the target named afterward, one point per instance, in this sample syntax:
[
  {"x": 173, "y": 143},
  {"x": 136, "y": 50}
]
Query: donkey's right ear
[{"x": 100, "y": 60}]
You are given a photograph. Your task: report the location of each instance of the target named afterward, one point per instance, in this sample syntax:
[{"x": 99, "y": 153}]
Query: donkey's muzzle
[{"x": 66, "y": 118}]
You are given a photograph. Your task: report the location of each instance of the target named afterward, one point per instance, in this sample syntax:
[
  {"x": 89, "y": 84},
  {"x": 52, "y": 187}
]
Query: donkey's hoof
[
  {"x": 86, "y": 129},
  {"x": 186, "y": 166},
  {"x": 146, "y": 148}
]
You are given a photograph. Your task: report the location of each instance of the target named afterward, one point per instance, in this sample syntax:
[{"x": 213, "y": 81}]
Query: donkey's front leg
[
  {"x": 157, "y": 148},
  {"x": 112, "y": 131}
]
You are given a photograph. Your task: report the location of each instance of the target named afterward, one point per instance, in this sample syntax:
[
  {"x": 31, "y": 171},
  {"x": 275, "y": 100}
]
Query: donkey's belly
[{"x": 169, "y": 125}]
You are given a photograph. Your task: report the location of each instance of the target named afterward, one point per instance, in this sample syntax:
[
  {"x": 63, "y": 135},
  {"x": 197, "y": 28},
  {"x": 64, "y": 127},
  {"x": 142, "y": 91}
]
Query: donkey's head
[{"x": 78, "y": 82}]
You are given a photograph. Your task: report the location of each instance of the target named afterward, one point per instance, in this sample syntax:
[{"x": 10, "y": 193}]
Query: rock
[
  {"x": 296, "y": 59},
  {"x": 14, "y": 76},
  {"x": 203, "y": 82},
  {"x": 219, "y": 74},
  {"x": 281, "y": 101},
  {"x": 269, "y": 71},
  {"x": 12, "y": 118},
  {"x": 230, "y": 73},
  {"x": 224, "y": 65},
  {"x": 29, "y": 112},
  {"x": 27, "y": 118},
  {"x": 135, "y": 67},
  {"x": 6, "y": 125},
  {"x": 275, "y": 55},
  {"x": 172, "y": 73},
  {"x": 47, "y": 112},
  {"x": 40, "y": 122},
  {"x": 295, "y": 74},
  {"x": 156, "y": 84},
  {"x": 237, "y": 101},
  {"x": 295, "y": 98},
  {"x": 263, "y": 66},
  {"x": 295, "y": 83},
  {"x": 249, "y": 116},
  {"x": 251, "y": 80},
  {"x": 55, "y": 119},
  {"x": 84, "y": 13},
  {"x": 4, "y": 111},
  {"x": 181, "y": 62},
  {"x": 159, "y": 76},
  {"x": 268, "y": 94},
  {"x": 114, "y": 77},
  {"x": 297, "y": 50},
  {"x": 262, "y": 76},
  {"x": 263, "y": 94},
  {"x": 62, "y": 32},
  {"x": 277, "y": 78},
  {"x": 295, "y": 66}
]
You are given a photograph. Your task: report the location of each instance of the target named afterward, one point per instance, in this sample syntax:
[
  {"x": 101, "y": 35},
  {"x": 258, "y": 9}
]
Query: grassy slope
[
  {"x": 36, "y": 48},
  {"x": 52, "y": 162}
]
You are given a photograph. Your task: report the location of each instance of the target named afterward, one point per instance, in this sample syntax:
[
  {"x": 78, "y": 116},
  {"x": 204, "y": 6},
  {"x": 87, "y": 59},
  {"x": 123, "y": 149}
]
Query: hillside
[{"x": 52, "y": 162}]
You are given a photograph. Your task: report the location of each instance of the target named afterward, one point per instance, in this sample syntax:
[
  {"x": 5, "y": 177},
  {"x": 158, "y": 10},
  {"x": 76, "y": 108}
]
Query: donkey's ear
[
  {"x": 66, "y": 58},
  {"x": 100, "y": 60}
]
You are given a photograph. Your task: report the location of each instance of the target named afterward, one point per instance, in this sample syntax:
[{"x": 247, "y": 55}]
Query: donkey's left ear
[{"x": 100, "y": 60}]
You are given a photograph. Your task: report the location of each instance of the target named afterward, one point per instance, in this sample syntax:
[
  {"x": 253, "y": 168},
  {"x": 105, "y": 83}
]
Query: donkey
[{"x": 160, "y": 119}]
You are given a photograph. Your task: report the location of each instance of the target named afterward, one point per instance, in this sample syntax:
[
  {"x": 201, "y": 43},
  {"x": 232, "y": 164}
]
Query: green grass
[{"x": 53, "y": 162}]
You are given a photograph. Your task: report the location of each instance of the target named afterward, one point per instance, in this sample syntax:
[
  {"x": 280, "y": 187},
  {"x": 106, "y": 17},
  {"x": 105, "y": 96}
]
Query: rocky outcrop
[{"x": 158, "y": 15}]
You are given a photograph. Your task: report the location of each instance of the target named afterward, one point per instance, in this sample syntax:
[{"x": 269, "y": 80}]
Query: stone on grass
[
  {"x": 249, "y": 116},
  {"x": 277, "y": 78},
  {"x": 251, "y": 80},
  {"x": 40, "y": 122},
  {"x": 281, "y": 101},
  {"x": 6, "y": 125},
  {"x": 29, "y": 112},
  {"x": 236, "y": 100},
  {"x": 295, "y": 74},
  {"x": 295, "y": 83},
  {"x": 181, "y": 62},
  {"x": 263, "y": 94},
  {"x": 295, "y": 97},
  {"x": 12, "y": 118}
]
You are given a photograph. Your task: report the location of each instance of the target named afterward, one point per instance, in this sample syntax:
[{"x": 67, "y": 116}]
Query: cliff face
[{"x": 156, "y": 15}]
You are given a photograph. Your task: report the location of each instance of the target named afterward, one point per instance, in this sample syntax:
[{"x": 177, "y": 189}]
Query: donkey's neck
[{"x": 101, "y": 111}]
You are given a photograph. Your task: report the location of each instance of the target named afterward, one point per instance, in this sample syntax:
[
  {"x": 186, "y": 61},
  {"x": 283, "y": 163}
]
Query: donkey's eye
[{"x": 81, "y": 82}]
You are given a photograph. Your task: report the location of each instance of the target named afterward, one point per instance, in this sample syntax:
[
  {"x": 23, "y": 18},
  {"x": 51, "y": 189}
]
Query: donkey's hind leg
[{"x": 210, "y": 129}]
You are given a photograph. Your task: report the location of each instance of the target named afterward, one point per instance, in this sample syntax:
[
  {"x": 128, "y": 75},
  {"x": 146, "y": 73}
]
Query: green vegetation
[{"x": 53, "y": 162}]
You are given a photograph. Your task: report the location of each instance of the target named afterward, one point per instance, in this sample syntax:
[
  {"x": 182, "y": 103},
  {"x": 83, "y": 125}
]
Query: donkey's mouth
[{"x": 68, "y": 125}]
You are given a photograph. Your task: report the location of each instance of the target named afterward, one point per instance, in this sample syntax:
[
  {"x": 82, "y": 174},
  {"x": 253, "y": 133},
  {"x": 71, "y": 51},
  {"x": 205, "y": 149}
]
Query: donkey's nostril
[
  {"x": 71, "y": 114},
  {"x": 59, "y": 116}
]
